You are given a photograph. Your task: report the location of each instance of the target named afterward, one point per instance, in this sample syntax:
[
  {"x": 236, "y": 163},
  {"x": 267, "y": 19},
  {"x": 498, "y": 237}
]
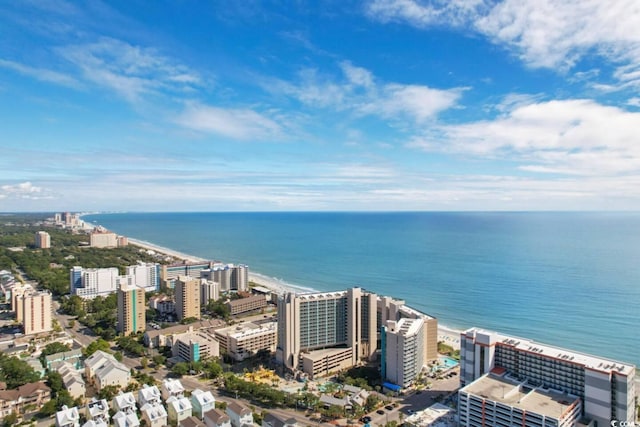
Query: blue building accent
[{"x": 383, "y": 352}]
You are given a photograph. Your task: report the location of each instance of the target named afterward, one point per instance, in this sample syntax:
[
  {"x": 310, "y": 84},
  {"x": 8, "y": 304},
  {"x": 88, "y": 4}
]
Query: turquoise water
[
  {"x": 448, "y": 362},
  {"x": 568, "y": 279}
]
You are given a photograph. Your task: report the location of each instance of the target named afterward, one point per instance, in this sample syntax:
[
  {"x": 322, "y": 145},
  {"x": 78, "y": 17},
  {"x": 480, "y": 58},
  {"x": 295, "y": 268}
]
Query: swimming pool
[{"x": 444, "y": 364}]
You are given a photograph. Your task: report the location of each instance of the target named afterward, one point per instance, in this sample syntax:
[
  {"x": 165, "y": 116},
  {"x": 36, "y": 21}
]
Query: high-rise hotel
[
  {"x": 42, "y": 240},
  {"x": 131, "y": 309},
  {"x": 35, "y": 312},
  {"x": 320, "y": 333},
  {"x": 515, "y": 381},
  {"x": 187, "y": 296}
]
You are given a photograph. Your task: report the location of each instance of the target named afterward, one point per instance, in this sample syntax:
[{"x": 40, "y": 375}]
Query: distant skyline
[{"x": 327, "y": 105}]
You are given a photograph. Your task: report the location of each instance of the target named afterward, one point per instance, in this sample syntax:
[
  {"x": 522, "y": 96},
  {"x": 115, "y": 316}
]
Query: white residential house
[
  {"x": 96, "y": 423},
  {"x": 126, "y": 419},
  {"x": 149, "y": 395},
  {"x": 154, "y": 415},
  {"x": 124, "y": 402},
  {"x": 171, "y": 387},
  {"x": 98, "y": 411},
  {"x": 216, "y": 418},
  {"x": 179, "y": 408},
  {"x": 202, "y": 401},
  {"x": 102, "y": 369},
  {"x": 239, "y": 415},
  {"x": 72, "y": 380},
  {"x": 68, "y": 417}
]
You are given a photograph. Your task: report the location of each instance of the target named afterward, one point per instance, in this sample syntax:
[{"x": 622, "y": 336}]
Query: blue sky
[{"x": 320, "y": 105}]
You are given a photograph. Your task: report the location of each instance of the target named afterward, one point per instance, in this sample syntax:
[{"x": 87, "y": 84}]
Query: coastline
[{"x": 446, "y": 334}]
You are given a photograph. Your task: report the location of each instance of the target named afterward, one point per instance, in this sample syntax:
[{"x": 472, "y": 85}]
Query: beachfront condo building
[
  {"x": 187, "y": 296},
  {"x": 169, "y": 273},
  {"x": 402, "y": 351},
  {"x": 102, "y": 238},
  {"x": 146, "y": 275},
  {"x": 209, "y": 290},
  {"x": 508, "y": 380},
  {"x": 231, "y": 277},
  {"x": 131, "y": 309},
  {"x": 36, "y": 312},
  {"x": 320, "y": 333},
  {"x": 247, "y": 339},
  {"x": 89, "y": 283},
  {"x": 42, "y": 240}
]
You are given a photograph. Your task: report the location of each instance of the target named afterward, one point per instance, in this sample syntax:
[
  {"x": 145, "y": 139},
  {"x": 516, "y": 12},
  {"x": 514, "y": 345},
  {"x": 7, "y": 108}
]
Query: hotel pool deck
[{"x": 444, "y": 364}]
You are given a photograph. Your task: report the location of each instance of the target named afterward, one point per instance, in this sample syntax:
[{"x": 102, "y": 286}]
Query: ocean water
[{"x": 568, "y": 279}]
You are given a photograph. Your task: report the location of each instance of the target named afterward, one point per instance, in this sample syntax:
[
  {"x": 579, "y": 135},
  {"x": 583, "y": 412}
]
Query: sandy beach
[{"x": 446, "y": 334}]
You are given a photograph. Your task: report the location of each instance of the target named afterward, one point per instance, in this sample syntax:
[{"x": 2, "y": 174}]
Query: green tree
[
  {"x": 212, "y": 369},
  {"x": 180, "y": 369},
  {"x": 53, "y": 348},
  {"x": 144, "y": 362},
  {"x": 159, "y": 360},
  {"x": 15, "y": 372},
  {"x": 96, "y": 345},
  {"x": 108, "y": 392},
  {"x": 54, "y": 380},
  {"x": 10, "y": 420}
]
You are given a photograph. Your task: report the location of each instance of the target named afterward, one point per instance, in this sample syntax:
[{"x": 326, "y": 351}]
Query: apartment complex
[
  {"x": 246, "y": 339},
  {"x": 35, "y": 312},
  {"x": 209, "y": 290},
  {"x": 101, "y": 238},
  {"x": 89, "y": 283},
  {"x": 320, "y": 333},
  {"x": 169, "y": 273},
  {"x": 42, "y": 240},
  {"x": 187, "y": 296},
  {"x": 244, "y": 305},
  {"x": 510, "y": 373},
  {"x": 231, "y": 277},
  {"x": 402, "y": 351},
  {"x": 145, "y": 275},
  {"x": 131, "y": 310},
  {"x": 195, "y": 346}
]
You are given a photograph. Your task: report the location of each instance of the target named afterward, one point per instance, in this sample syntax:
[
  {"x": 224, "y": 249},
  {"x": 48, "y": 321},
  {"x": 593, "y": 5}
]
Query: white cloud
[
  {"x": 23, "y": 190},
  {"x": 634, "y": 102},
  {"x": 419, "y": 102},
  {"x": 543, "y": 33},
  {"x": 357, "y": 75},
  {"x": 41, "y": 74},
  {"x": 425, "y": 13},
  {"x": 243, "y": 124},
  {"x": 358, "y": 90},
  {"x": 566, "y": 137},
  {"x": 131, "y": 71}
]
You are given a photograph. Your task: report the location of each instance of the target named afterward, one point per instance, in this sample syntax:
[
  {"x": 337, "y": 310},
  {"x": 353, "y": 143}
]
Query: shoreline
[{"x": 446, "y": 334}]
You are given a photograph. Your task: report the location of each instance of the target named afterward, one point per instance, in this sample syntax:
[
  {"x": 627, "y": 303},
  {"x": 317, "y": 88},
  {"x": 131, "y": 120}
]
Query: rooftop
[
  {"x": 523, "y": 344},
  {"x": 435, "y": 415},
  {"x": 519, "y": 395}
]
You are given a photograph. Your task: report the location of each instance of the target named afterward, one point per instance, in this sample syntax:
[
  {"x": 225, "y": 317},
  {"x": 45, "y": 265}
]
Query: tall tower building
[
  {"x": 320, "y": 333},
  {"x": 187, "y": 295},
  {"x": 131, "y": 309},
  {"x": 308, "y": 322},
  {"x": 146, "y": 276},
  {"x": 403, "y": 351},
  {"x": 36, "y": 312},
  {"x": 209, "y": 290},
  {"x": 89, "y": 283},
  {"x": 42, "y": 240},
  {"x": 522, "y": 381}
]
